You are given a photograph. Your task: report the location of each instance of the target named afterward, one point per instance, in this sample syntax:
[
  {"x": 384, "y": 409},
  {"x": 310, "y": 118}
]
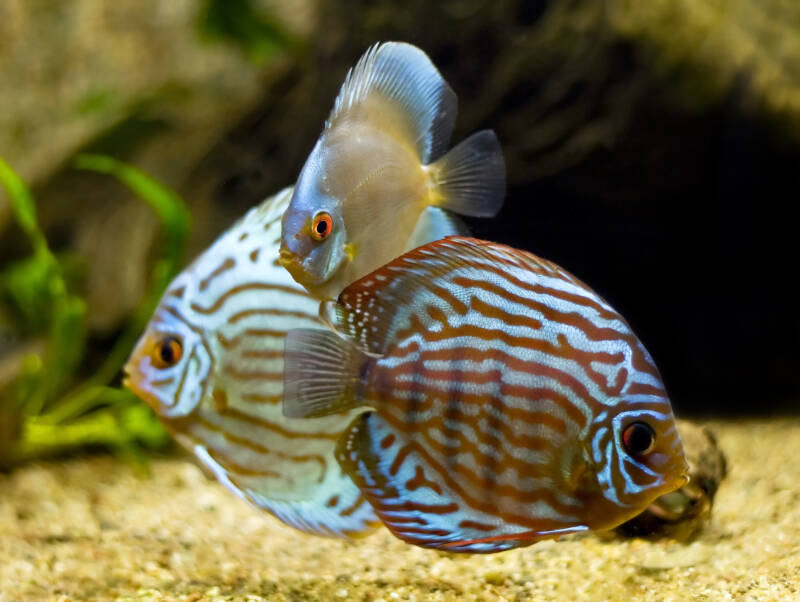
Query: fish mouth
[
  {"x": 129, "y": 382},
  {"x": 682, "y": 471},
  {"x": 679, "y": 478},
  {"x": 127, "y": 378},
  {"x": 287, "y": 258},
  {"x": 292, "y": 263}
]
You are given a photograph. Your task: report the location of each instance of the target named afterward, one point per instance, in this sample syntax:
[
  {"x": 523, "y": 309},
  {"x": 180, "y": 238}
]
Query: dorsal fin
[
  {"x": 366, "y": 310},
  {"x": 404, "y": 76},
  {"x": 268, "y": 211}
]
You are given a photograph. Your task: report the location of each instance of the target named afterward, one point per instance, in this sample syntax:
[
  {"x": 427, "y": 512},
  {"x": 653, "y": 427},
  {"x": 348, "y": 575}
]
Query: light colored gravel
[{"x": 91, "y": 529}]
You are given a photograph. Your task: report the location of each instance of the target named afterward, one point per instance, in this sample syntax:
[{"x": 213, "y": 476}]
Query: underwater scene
[{"x": 458, "y": 300}]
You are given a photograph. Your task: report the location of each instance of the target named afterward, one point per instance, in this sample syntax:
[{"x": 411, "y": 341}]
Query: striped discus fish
[
  {"x": 511, "y": 403},
  {"x": 210, "y": 363}
]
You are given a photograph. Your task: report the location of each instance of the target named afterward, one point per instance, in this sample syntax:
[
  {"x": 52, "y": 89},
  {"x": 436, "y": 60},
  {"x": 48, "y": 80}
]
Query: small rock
[{"x": 683, "y": 513}]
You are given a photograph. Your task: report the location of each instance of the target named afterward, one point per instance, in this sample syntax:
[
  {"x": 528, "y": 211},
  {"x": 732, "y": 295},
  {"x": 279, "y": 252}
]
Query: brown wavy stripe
[
  {"x": 261, "y": 354},
  {"x": 529, "y": 367},
  {"x": 272, "y": 426},
  {"x": 471, "y": 524},
  {"x": 573, "y": 318},
  {"x": 228, "y": 343},
  {"x": 350, "y": 510},
  {"x": 466, "y": 447},
  {"x": 251, "y": 375},
  {"x": 261, "y": 398},
  {"x": 226, "y": 266},
  {"x": 471, "y": 495},
  {"x": 563, "y": 350},
  {"x": 241, "y": 288},
  {"x": 420, "y": 480},
  {"x": 223, "y": 459},
  {"x": 586, "y": 301},
  {"x": 241, "y": 315},
  {"x": 257, "y": 447}
]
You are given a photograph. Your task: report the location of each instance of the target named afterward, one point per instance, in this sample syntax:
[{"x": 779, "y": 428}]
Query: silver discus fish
[{"x": 379, "y": 162}]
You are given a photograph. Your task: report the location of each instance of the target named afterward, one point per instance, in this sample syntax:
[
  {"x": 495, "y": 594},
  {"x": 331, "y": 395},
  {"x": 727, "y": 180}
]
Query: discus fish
[
  {"x": 210, "y": 364},
  {"x": 377, "y": 165},
  {"x": 510, "y": 402}
]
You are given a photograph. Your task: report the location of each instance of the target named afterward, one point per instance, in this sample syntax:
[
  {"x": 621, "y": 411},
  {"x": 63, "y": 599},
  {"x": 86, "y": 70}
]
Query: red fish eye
[
  {"x": 638, "y": 438},
  {"x": 167, "y": 352},
  {"x": 321, "y": 226}
]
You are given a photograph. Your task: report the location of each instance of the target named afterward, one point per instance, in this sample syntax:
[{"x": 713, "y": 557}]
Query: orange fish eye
[
  {"x": 321, "y": 225},
  {"x": 638, "y": 438},
  {"x": 167, "y": 352}
]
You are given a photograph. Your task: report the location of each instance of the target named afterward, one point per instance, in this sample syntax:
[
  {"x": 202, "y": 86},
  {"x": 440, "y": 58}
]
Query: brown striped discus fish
[
  {"x": 510, "y": 402},
  {"x": 379, "y": 162},
  {"x": 210, "y": 364}
]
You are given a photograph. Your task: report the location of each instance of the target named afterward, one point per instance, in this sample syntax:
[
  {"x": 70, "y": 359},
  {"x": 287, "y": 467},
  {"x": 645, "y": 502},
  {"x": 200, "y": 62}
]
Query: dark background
[
  {"x": 679, "y": 212},
  {"x": 654, "y": 156}
]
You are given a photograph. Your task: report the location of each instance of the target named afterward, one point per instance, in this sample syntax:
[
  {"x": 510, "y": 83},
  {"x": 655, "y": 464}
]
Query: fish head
[
  {"x": 636, "y": 455},
  {"x": 170, "y": 365},
  {"x": 314, "y": 246}
]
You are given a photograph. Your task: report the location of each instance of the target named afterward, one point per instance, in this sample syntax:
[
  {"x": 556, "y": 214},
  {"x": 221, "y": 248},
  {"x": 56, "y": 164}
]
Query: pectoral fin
[{"x": 322, "y": 374}]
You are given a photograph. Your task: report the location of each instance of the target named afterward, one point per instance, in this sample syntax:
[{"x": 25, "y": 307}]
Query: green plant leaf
[
  {"x": 23, "y": 206},
  {"x": 167, "y": 204},
  {"x": 259, "y": 35},
  {"x": 176, "y": 221},
  {"x": 35, "y": 289}
]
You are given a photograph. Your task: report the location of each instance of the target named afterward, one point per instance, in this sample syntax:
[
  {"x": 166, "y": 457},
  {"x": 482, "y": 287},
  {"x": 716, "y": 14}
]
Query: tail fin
[
  {"x": 471, "y": 178},
  {"x": 322, "y": 374}
]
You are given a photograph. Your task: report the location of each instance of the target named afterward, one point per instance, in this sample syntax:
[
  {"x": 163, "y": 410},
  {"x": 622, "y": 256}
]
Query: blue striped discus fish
[
  {"x": 511, "y": 403},
  {"x": 210, "y": 363}
]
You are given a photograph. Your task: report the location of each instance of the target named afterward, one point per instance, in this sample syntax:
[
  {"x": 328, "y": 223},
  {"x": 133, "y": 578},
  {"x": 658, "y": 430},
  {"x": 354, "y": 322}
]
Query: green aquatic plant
[
  {"x": 48, "y": 408},
  {"x": 259, "y": 35}
]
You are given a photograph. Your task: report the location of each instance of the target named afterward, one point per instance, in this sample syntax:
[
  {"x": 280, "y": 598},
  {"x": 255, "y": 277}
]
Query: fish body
[
  {"x": 510, "y": 403},
  {"x": 379, "y": 163},
  {"x": 210, "y": 363}
]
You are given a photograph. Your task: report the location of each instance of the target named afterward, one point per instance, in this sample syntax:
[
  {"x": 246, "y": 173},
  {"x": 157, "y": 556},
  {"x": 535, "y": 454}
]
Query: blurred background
[{"x": 653, "y": 149}]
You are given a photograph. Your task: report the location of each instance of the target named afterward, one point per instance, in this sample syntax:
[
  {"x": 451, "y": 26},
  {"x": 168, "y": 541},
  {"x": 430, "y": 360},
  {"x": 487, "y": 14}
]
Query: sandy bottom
[{"x": 91, "y": 529}]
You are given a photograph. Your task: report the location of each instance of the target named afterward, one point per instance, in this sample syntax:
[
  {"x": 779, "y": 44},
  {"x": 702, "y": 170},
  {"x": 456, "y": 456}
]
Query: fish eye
[
  {"x": 639, "y": 439},
  {"x": 321, "y": 225},
  {"x": 167, "y": 352}
]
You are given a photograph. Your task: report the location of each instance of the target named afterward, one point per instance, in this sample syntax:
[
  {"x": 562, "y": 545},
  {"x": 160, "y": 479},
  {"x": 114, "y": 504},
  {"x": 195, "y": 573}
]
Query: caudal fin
[
  {"x": 321, "y": 374},
  {"x": 471, "y": 178}
]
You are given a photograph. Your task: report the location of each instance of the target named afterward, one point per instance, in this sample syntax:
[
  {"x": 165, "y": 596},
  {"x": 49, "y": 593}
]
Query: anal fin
[{"x": 412, "y": 500}]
